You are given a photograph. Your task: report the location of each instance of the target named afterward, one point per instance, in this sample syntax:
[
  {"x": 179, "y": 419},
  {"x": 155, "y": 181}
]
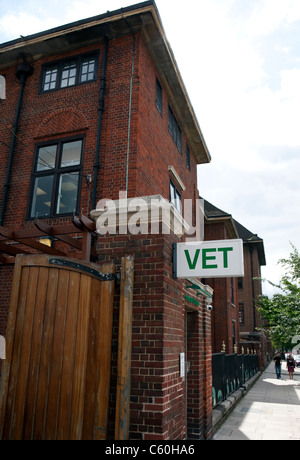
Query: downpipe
[
  {"x": 23, "y": 71},
  {"x": 100, "y": 110}
]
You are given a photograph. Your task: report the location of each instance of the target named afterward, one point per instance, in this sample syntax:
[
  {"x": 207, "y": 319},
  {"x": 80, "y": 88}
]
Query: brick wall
[
  {"x": 158, "y": 403},
  {"x": 246, "y": 294},
  {"x": 6, "y": 276},
  {"x": 156, "y": 148},
  {"x": 158, "y": 393},
  {"x": 54, "y": 115},
  {"x": 64, "y": 113},
  {"x": 199, "y": 391},
  {"x": 225, "y": 311}
]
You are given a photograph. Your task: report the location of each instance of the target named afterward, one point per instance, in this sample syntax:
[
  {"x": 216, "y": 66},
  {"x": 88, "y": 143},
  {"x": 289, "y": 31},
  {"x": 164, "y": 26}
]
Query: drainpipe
[
  {"x": 23, "y": 71},
  {"x": 129, "y": 115},
  {"x": 253, "y": 287},
  {"x": 100, "y": 110}
]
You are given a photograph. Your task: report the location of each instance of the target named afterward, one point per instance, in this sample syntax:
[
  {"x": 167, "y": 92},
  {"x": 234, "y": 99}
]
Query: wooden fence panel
[{"x": 56, "y": 376}]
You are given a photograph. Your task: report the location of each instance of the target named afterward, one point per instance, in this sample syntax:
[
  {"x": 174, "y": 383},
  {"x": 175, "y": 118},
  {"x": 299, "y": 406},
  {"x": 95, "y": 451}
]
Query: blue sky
[{"x": 240, "y": 62}]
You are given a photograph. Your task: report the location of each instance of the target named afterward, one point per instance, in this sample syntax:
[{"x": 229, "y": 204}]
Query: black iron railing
[{"x": 230, "y": 372}]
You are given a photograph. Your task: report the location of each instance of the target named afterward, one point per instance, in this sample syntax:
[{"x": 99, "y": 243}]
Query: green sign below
[{"x": 192, "y": 300}]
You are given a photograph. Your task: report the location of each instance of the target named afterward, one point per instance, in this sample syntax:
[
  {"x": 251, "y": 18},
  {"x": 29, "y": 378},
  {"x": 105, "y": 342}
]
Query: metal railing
[{"x": 230, "y": 372}]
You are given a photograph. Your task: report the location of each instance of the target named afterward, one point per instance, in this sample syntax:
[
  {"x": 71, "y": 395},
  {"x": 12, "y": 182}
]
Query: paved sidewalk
[{"x": 269, "y": 411}]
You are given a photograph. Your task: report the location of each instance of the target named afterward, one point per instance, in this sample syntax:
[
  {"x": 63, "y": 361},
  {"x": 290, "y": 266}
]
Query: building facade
[
  {"x": 236, "y": 321},
  {"x": 249, "y": 290},
  {"x": 220, "y": 225},
  {"x": 96, "y": 111}
]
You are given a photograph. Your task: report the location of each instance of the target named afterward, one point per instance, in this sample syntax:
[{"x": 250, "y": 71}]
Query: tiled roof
[
  {"x": 245, "y": 234},
  {"x": 212, "y": 212}
]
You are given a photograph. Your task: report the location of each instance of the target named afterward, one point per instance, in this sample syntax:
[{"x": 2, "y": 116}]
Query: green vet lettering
[
  {"x": 225, "y": 255},
  {"x": 192, "y": 265},
  {"x": 207, "y": 258}
]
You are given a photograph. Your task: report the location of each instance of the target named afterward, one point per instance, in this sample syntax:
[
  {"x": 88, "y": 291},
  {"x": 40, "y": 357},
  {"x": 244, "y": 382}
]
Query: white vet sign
[{"x": 209, "y": 259}]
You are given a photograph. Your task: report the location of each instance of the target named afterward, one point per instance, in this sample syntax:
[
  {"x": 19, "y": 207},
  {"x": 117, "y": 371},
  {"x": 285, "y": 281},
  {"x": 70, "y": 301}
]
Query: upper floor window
[
  {"x": 63, "y": 74},
  {"x": 240, "y": 283},
  {"x": 69, "y": 73},
  {"x": 175, "y": 197},
  {"x": 232, "y": 290},
  {"x": 241, "y": 313},
  {"x": 158, "y": 97},
  {"x": 2, "y": 87},
  {"x": 56, "y": 178},
  {"x": 176, "y": 188},
  {"x": 175, "y": 130},
  {"x": 188, "y": 157}
]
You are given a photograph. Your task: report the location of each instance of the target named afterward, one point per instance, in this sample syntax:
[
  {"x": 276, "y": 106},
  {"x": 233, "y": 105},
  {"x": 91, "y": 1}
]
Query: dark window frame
[
  {"x": 56, "y": 172},
  {"x": 59, "y": 68},
  {"x": 241, "y": 314},
  {"x": 233, "y": 333},
  {"x": 158, "y": 96},
  {"x": 188, "y": 157},
  {"x": 177, "y": 194},
  {"x": 232, "y": 290},
  {"x": 175, "y": 130}
]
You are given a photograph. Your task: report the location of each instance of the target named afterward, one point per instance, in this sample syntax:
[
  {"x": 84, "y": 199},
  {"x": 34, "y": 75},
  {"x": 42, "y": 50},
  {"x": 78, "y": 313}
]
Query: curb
[{"x": 223, "y": 409}]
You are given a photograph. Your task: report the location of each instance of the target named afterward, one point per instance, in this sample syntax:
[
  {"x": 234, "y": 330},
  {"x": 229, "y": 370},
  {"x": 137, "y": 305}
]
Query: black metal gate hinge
[{"x": 84, "y": 268}]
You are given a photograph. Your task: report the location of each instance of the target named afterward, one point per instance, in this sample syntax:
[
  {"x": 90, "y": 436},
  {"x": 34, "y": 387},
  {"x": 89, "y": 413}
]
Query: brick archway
[{"x": 60, "y": 122}]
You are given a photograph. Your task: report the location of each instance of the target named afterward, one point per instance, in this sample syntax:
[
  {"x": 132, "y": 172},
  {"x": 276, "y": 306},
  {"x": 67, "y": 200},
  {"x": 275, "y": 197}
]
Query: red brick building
[
  {"x": 249, "y": 289},
  {"x": 95, "y": 108},
  {"x": 235, "y": 318},
  {"x": 220, "y": 225}
]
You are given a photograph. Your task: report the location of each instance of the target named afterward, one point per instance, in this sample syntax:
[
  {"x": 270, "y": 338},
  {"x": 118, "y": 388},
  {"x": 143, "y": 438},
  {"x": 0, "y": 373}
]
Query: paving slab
[{"x": 270, "y": 410}]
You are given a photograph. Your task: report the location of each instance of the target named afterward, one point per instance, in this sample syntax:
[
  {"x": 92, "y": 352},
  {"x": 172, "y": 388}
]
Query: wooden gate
[{"x": 56, "y": 378}]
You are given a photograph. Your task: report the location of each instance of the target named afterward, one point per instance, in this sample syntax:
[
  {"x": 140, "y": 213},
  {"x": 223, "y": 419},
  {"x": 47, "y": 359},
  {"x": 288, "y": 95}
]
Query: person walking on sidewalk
[
  {"x": 277, "y": 360},
  {"x": 290, "y": 365}
]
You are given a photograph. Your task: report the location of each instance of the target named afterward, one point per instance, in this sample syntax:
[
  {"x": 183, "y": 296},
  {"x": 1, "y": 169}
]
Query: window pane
[
  {"x": 87, "y": 69},
  {"x": 188, "y": 157},
  {"x": 179, "y": 139},
  {"x": 172, "y": 193},
  {"x": 170, "y": 122},
  {"x": 42, "y": 196},
  {"x": 158, "y": 98},
  {"x": 67, "y": 193},
  {"x": 50, "y": 78},
  {"x": 175, "y": 130},
  {"x": 175, "y": 198},
  {"x": 178, "y": 202},
  {"x": 46, "y": 158},
  {"x": 71, "y": 154},
  {"x": 68, "y": 77}
]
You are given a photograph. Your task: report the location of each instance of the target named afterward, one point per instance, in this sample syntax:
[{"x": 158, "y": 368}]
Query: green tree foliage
[{"x": 281, "y": 313}]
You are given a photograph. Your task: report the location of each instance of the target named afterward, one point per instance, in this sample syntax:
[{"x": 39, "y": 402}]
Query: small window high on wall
[
  {"x": 175, "y": 197},
  {"x": 174, "y": 130},
  {"x": 158, "y": 97},
  {"x": 63, "y": 74}
]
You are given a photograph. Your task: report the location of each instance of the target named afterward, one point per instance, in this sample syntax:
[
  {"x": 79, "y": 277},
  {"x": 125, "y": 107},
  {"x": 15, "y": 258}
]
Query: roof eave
[{"x": 227, "y": 221}]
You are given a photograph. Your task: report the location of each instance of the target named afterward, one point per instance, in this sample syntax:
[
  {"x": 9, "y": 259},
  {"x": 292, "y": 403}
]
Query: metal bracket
[
  {"x": 198, "y": 288},
  {"x": 89, "y": 270},
  {"x": 174, "y": 253}
]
